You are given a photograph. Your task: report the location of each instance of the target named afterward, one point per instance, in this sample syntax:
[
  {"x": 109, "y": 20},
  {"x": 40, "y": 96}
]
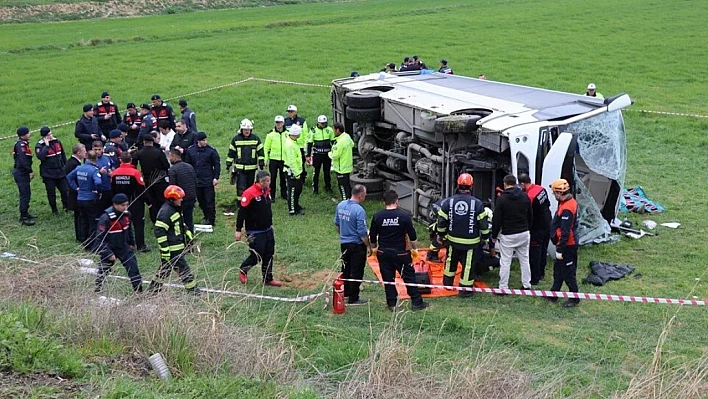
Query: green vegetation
[{"x": 650, "y": 50}]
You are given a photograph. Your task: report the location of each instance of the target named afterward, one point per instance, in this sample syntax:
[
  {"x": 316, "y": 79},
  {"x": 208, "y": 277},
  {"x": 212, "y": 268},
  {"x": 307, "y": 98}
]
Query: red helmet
[
  {"x": 173, "y": 192},
  {"x": 465, "y": 179}
]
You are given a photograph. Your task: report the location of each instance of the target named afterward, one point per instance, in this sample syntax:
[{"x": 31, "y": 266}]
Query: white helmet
[
  {"x": 246, "y": 124},
  {"x": 295, "y": 130},
  {"x": 279, "y": 118},
  {"x": 322, "y": 119}
]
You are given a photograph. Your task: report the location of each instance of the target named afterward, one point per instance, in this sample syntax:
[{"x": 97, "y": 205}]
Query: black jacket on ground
[
  {"x": 206, "y": 163},
  {"x": 512, "y": 213},
  {"x": 182, "y": 174}
]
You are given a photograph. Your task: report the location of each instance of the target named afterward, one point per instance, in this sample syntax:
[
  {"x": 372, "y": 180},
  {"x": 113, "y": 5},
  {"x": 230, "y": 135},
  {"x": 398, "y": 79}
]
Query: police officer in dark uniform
[
  {"x": 391, "y": 232},
  {"x": 87, "y": 129},
  {"x": 22, "y": 172},
  {"x": 87, "y": 181},
  {"x": 113, "y": 148},
  {"x": 78, "y": 153},
  {"x": 115, "y": 240},
  {"x": 133, "y": 120},
  {"x": 154, "y": 166},
  {"x": 162, "y": 111},
  {"x": 123, "y": 145},
  {"x": 107, "y": 114},
  {"x": 51, "y": 154},
  {"x": 188, "y": 115},
  {"x": 127, "y": 179},
  {"x": 256, "y": 214},
  {"x": 463, "y": 222},
  {"x": 207, "y": 165},
  {"x": 147, "y": 125},
  {"x": 246, "y": 155}
]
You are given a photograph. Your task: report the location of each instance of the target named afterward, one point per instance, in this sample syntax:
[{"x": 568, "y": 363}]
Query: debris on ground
[
  {"x": 636, "y": 200},
  {"x": 602, "y": 272}
]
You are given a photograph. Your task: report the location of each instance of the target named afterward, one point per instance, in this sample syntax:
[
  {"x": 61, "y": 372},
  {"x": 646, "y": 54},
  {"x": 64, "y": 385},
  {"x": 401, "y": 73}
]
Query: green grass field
[{"x": 649, "y": 49}]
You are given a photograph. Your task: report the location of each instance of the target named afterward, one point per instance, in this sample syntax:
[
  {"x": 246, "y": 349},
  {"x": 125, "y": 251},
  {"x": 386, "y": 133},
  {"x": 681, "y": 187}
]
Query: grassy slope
[{"x": 638, "y": 47}]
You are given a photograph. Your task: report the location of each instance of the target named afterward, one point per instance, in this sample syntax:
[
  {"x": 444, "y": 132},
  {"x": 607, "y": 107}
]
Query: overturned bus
[{"x": 415, "y": 132}]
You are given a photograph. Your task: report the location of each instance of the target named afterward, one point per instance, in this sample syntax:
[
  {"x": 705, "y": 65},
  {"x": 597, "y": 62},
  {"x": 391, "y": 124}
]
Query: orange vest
[{"x": 566, "y": 206}]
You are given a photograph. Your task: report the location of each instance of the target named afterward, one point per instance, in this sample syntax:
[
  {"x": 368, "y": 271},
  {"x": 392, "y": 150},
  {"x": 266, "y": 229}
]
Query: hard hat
[
  {"x": 465, "y": 179},
  {"x": 292, "y": 108},
  {"x": 246, "y": 124},
  {"x": 279, "y": 118},
  {"x": 560, "y": 186},
  {"x": 173, "y": 192},
  {"x": 591, "y": 86},
  {"x": 295, "y": 130},
  {"x": 322, "y": 119}
]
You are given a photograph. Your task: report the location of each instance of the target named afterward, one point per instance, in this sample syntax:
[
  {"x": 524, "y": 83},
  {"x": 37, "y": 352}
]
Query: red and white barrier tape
[
  {"x": 554, "y": 294},
  {"x": 644, "y": 111}
]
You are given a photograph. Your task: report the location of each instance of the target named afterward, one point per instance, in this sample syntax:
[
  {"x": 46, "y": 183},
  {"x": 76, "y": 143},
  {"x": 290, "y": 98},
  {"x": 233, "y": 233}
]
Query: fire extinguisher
[{"x": 338, "y": 296}]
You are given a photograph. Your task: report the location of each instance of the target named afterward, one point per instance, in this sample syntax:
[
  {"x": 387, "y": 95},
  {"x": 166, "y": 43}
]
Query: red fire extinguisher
[{"x": 338, "y": 296}]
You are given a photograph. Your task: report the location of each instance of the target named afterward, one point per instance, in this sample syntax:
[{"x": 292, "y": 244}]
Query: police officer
[
  {"x": 52, "y": 157},
  {"x": 592, "y": 91},
  {"x": 207, "y": 165},
  {"x": 342, "y": 159},
  {"x": 147, "y": 125},
  {"x": 115, "y": 240},
  {"x": 391, "y": 232},
  {"x": 564, "y": 230},
  {"x": 273, "y": 152},
  {"x": 294, "y": 119},
  {"x": 22, "y": 172},
  {"x": 78, "y": 153},
  {"x": 540, "y": 227},
  {"x": 462, "y": 221},
  {"x": 113, "y": 148},
  {"x": 107, "y": 114},
  {"x": 256, "y": 215},
  {"x": 133, "y": 120},
  {"x": 105, "y": 167},
  {"x": 87, "y": 129},
  {"x": 162, "y": 111},
  {"x": 246, "y": 155},
  {"x": 172, "y": 236},
  {"x": 182, "y": 174},
  {"x": 184, "y": 136},
  {"x": 319, "y": 144},
  {"x": 188, "y": 115},
  {"x": 294, "y": 169},
  {"x": 127, "y": 179},
  {"x": 154, "y": 166},
  {"x": 87, "y": 181}
]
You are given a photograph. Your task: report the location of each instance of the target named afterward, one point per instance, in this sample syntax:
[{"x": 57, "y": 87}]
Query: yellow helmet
[{"x": 560, "y": 186}]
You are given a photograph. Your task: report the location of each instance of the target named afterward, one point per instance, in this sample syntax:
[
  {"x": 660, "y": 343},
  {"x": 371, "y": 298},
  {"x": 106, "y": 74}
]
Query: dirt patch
[
  {"x": 310, "y": 280},
  {"x": 130, "y": 365},
  {"x": 14, "y": 385}
]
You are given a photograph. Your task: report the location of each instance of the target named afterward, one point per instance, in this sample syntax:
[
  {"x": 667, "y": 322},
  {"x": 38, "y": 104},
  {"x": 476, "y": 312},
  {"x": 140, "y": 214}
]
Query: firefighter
[
  {"x": 391, "y": 233},
  {"x": 273, "y": 152},
  {"x": 154, "y": 166},
  {"x": 188, "y": 115},
  {"x": 147, "y": 125},
  {"x": 52, "y": 157},
  {"x": 540, "y": 227},
  {"x": 207, "y": 165},
  {"x": 162, "y": 111},
  {"x": 107, "y": 114},
  {"x": 127, "y": 179},
  {"x": 87, "y": 129},
  {"x": 435, "y": 242},
  {"x": 319, "y": 144},
  {"x": 294, "y": 169},
  {"x": 342, "y": 159},
  {"x": 133, "y": 120},
  {"x": 246, "y": 156},
  {"x": 294, "y": 119},
  {"x": 114, "y": 148},
  {"x": 87, "y": 182},
  {"x": 564, "y": 230},
  {"x": 463, "y": 222},
  {"x": 23, "y": 174},
  {"x": 256, "y": 214},
  {"x": 115, "y": 240},
  {"x": 172, "y": 237}
]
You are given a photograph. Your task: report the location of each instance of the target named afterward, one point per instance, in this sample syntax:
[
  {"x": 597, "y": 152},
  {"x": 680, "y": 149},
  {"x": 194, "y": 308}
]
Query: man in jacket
[
  {"x": 564, "y": 230},
  {"x": 462, "y": 221},
  {"x": 78, "y": 153},
  {"x": 115, "y": 240},
  {"x": 350, "y": 221},
  {"x": 342, "y": 159},
  {"x": 107, "y": 114},
  {"x": 154, "y": 166},
  {"x": 105, "y": 167},
  {"x": 273, "y": 152},
  {"x": 188, "y": 115},
  {"x": 510, "y": 231},
  {"x": 540, "y": 228},
  {"x": 172, "y": 237},
  {"x": 114, "y": 147},
  {"x": 87, "y": 181},
  {"x": 182, "y": 174},
  {"x": 293, "y": 167},
  {"x": 87, "y": 129},
  {"x": 167, "y": 135},
  {"x": 207, "y": 165},
  {"x": 256, "y": 215},
  {"x": 294, "y": 119},
  {"x": 184, "y": 136},
  {"x": 133, "y": 120},
  {"x": 127, "y": 179},
  {"x": 148, "y": 124},
  {"x": 52, "y": 157},
  {"x": 23, "y": 174},
  {"x": 246, "y": 156},
  {"x": 319, "y": 144},
  {"x": 162, "y": 111}
]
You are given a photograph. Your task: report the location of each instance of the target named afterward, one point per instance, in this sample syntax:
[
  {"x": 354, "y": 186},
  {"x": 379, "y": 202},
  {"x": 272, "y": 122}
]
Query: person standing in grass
[
  {"x": 293, "y": 119},
  {"x": 246, "y": 156},
  {"x": 51, "y": 154},
  {"x": 128, "y": 180},
  {"x": 183, "y": 175},
  {"x": 293, "y": 166},
  {"x": 342, "y": 155},
  {"x": 540, "y": 228},
  {"x": 132, "y": 120},
  {"x": 86, "y": 181},
  {"x": 207, "y": 165},
  {"x": 188, "y": 115},
  {"x": 87, "y": 130},
  {"x": 107, "y": 114},
  {"x": 319, "y": 144},
  {"x": 350, "y": 221},
  {"x": 564, "y": 230},
  {"x": 273, "y": 151},
  {"x": 23, "y": 174},
  {"x": 78, "y": 153}
]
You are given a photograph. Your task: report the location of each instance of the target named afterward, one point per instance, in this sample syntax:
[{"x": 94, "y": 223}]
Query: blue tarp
[{"x": 636, "y": 200}]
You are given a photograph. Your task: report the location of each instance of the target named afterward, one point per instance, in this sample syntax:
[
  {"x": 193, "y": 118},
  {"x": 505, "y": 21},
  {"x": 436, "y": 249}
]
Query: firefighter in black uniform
[
  {"x": 115, "y": 240},
  {"x": 246, "y": 155},
  {"x": 256, "y": 213},
  {"x": 127, "y": 179},
  {"x": 391, "y": 233},
  {"x": 107, "y": 114},
  {"x": 113, "y": 148},
  {"x": 435, "y": 242},
  {"x": 133, "y": 120},
  {"x": 463, "y": 222},
  {"x": 154, "y": 166},
  {"x": 22, "y": 172},
  {"x": 162, "y": 111},
  {"x": 172, "y": 237},
  {"x": 87, "y": 129},
  {"x": 148, "y": 123},
  {"x": 51, "y": 154}
]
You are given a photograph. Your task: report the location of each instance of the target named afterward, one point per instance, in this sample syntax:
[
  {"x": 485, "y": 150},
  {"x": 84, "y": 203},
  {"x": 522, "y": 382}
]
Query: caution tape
[
  {"x": 553, "y": 294},
  {"x": 645, "y": 111},
  {"x": 286, "y": 82}
]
